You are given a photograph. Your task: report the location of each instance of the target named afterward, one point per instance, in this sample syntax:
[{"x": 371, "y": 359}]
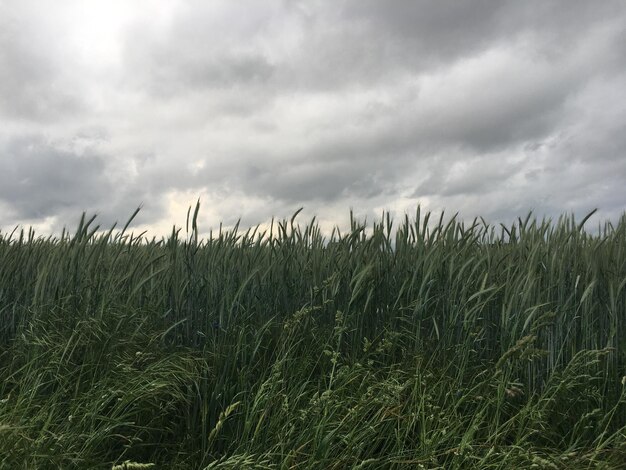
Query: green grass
[{"x": 433, "y": 344}]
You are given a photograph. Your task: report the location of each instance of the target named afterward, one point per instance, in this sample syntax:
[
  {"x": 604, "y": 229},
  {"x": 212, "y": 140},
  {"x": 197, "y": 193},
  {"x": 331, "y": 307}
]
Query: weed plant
[{"x": 434, "y": 344}]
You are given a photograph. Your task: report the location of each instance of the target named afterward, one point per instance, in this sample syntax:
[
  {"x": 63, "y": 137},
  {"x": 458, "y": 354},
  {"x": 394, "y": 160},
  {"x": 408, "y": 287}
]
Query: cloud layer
[{"x": 484, "y": 108}]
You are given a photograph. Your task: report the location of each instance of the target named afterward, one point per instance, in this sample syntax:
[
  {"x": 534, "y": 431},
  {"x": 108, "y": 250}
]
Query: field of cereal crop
[{"x": 416, "y": 343}]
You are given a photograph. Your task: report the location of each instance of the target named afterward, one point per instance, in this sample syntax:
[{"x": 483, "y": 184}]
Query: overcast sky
[{"x": 488, "y": 108}]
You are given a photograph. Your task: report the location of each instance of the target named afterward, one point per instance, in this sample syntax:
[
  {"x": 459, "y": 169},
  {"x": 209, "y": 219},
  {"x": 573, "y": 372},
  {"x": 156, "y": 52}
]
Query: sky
[{"x": 485, "y": 108}]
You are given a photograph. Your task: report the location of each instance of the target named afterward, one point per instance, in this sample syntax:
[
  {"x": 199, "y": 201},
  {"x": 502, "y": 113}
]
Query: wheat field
[{"x": 417, "y": 343}]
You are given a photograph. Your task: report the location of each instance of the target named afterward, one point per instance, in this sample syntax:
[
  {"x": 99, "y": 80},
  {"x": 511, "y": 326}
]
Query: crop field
[{"x": 413, "y": 343}]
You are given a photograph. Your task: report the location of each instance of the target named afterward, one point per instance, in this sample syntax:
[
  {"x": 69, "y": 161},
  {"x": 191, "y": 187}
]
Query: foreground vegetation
[{"x": 434, "y": 344}]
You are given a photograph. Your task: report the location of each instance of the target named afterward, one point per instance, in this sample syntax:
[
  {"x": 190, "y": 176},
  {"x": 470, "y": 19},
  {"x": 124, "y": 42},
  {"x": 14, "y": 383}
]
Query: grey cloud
[
  {"x": 448, "y": 30},
  {"x": 38, "y": 180},
  {"x": 169, "y": 72},
  {"x": 30, "y": 73},
  {"x": 354, "y": 45},
  {"x": 201, "y": 49},
  {"x": 323, "y": 170},
  {"x": 501, "y": 106},
  {"x": 426, "y": 32},
  {"x": 470, "y": 176},
  {"x": 567, "y": 174},
  {"x": 315, "y": 182},
  {"x": 503, "y": 122},
  {"x": 365, "y": 42}
]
